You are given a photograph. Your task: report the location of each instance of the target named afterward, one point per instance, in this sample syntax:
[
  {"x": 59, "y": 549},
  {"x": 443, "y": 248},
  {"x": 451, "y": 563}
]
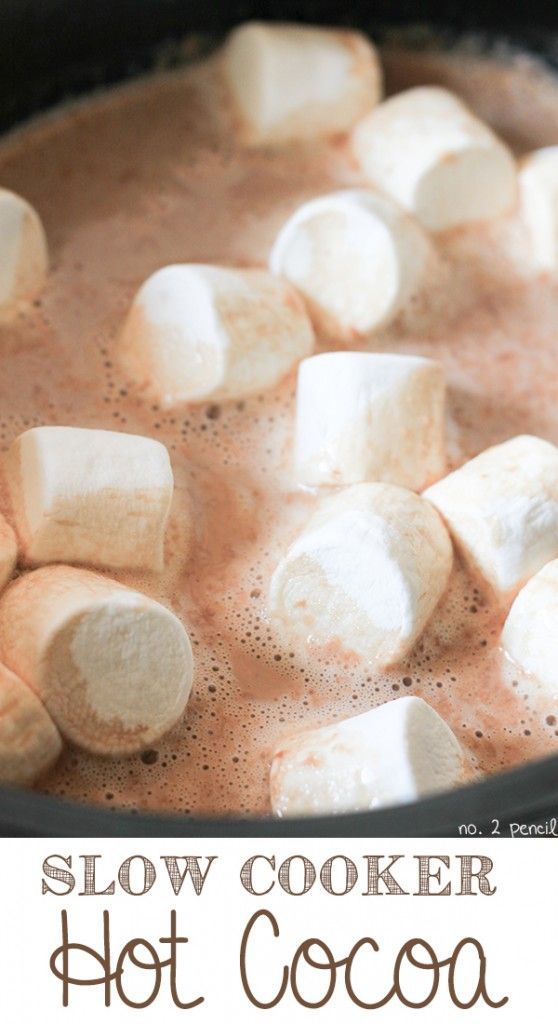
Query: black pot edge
[
  {"x": 81, "y": 60},
  {"x": 526, "y": 796}
]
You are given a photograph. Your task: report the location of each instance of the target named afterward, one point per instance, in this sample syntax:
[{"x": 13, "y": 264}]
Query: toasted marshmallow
[
  {"x": 355, "y": 257},
  {"x": 23, "y": 252},
  {"x": 8, "y": 552},
  {"x": 94, "y": 497},
  {"x": 366, "y": 573},
  {"x": 393, "y": 754},
  {"x": 29, "y": 740},
  {"x": 502, "y": 511},
  {"x": 530, "y": 635},
  {"x": 368, "y": 416},
  {"x": 113, "y": 667},
  {"x": 196, "y": 332},
  {"x": 427, "y": 150},
  {"x": 292, "y": 82},
  {"x": 538, "y": 182}
]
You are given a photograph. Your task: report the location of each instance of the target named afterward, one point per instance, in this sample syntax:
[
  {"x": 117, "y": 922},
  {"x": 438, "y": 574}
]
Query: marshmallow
[
  {"x": 8, "y": 552},
  {"x": 23, "y": 252},
  {"x": 29, "y": 740},
  {"x": 364, "y": 416},
  {"x": 90, "y": 496},
  {"x": 530, "y": 635},
  {"x": 196, "y": 332},
  {"x": 113, "y": 667},
  {"x": 294, "y": 82},
  {"x": 427, "y": 150},
  {"x": 502, "y": 510},
  {"x": 393, "y": 754},
  {"x": 367, "y": 573},
  {"x": 355, "y": 257},
  {"x": 538, "y": 182}
]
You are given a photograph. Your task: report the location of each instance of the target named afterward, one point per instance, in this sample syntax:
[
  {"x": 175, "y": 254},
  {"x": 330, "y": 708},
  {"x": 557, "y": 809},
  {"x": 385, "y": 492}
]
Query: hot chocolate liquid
[{"x": 148, "y": 175}]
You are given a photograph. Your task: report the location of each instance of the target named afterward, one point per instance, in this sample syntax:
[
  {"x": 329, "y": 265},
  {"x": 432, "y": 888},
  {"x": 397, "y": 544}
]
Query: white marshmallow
[
  {"x": 425, "y": 148},
  {"x": 367, "y": 416},
  {"x": 530, "y": 635},
  {"x": 23, "y": 252},
  {"x": 29, "y": 740},
  {"x": 502, "y": 510},
  {"x": 393, "y": 754},
  {"x": 113, "y": 667},
  {"x": 196, "y": 332},
  {"x": 367, "y": 573},
  {"x": 538, "y": 181},
  {"x": 8, "y": 552},
  {"x": 294, "y": 82},
  {"x": 94, "y": 497},
  {"x": 355, "y": 257}
]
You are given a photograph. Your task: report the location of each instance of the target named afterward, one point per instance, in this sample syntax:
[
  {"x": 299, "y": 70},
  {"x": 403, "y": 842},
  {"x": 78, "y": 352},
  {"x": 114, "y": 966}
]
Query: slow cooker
[{"x": 54, "y": 49}]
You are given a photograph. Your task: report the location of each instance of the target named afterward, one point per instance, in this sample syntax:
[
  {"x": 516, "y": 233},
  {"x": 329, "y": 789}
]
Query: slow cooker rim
[{"x": 525, "y": 796}]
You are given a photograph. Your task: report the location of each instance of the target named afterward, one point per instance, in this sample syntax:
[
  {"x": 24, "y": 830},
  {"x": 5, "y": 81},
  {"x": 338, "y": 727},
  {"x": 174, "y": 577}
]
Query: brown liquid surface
[{"x": 148, "y": 175}]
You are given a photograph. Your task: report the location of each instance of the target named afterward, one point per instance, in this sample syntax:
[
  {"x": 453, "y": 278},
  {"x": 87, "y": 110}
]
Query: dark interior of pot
[{"x": 53, "y": 51}]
